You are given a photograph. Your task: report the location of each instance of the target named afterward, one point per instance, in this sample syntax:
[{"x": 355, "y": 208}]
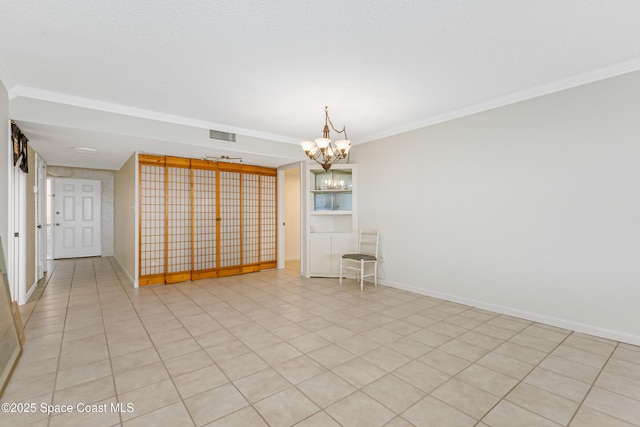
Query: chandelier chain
[{"x": 344, "y": 128}]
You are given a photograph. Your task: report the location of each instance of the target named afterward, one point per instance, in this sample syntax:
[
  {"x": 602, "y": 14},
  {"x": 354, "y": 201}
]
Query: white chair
[{"x": 367, "y": 254}]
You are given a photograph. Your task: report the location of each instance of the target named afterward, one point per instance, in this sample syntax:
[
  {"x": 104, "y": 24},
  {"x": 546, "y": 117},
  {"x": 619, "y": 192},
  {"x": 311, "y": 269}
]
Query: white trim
[
  {"x": 9, "y": 239},
  {"x": 52, "y": 207},
  {"x": 41, "y": 206},
  {"x": 281, "y": 208},
  {"x": 292, "y": 258},
  {"x": 126, "y": 273},
  {"x": 20, "y": 282},
  {"x": 109, "y": 107},
  {"x": 31, "y": 291},
  {"x": 136, "y": 225},
  {"x": 544, "y": 89},
  {"x": 527, "y": 315},
  {"x": 280, "y": 219}
]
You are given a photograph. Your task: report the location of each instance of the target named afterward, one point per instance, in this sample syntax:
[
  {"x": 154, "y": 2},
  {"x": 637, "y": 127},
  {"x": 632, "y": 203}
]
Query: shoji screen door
[
  {"x": 205, "y": 234},
  {"x": 152, "y": 195},
  {"x": 247, "y": 219},
  {"x": 203, "y": 219},
  {"x": 268, "y": 220},
  {"x": 229, "y": 208},
  {"x": 179, "y": 233}
]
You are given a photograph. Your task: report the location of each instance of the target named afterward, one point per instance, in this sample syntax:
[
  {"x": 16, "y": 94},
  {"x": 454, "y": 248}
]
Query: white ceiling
[{"x": 265, "y": 69}]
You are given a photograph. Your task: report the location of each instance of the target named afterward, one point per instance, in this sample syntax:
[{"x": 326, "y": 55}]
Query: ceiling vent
[{"x": 224, "y": 136}]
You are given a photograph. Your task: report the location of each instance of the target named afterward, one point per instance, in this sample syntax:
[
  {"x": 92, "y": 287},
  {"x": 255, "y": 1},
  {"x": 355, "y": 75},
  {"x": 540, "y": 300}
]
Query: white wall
[
  {"x": 4, "y": 167},
  {"x": 531, "y": 209},
  {"x": 292, "y": 214},
  {"x": 125, "y": 235}
]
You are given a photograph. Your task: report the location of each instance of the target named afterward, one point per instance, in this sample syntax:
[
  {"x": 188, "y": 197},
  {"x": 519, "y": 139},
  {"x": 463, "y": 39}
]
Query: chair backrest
[{"x": 368, "y": 242}]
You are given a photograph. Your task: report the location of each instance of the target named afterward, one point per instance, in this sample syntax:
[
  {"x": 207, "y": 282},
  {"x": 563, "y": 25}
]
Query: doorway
[
  {"x": 76, "y": 218},
  {"x": 290, "y": 216}
]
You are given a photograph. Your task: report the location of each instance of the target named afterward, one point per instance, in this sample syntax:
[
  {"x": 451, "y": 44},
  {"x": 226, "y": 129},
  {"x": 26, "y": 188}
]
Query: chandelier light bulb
[
  {"x": 343, "y": 145},
  {"x": 322, "y": 142},
  {"x": 307, "y": 146}
]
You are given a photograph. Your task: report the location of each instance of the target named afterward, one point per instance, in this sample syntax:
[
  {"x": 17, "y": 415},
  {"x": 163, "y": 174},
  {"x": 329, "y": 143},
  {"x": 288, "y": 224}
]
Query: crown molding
[
  {"x": 545, "y": 89},
  {"x": 108, "y": 107},
  {"x": 537, "y": 91}
]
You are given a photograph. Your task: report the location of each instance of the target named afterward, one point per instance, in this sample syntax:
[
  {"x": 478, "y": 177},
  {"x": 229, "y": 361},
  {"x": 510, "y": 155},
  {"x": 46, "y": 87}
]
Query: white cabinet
[
  {"x": 325, "y": 252},
  {"x": 331, "y": 205}
]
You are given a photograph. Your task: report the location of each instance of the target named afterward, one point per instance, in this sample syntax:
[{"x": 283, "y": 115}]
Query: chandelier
[{"x": 322, "y": 150}]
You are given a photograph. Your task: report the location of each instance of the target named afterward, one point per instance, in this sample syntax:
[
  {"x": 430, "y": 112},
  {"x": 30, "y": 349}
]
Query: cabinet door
[
  {"x": 341, "y": 243},
  {"x": 319, "y": 254}
]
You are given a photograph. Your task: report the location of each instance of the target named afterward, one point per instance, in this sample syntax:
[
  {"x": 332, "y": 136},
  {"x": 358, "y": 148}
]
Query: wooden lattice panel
[
  {"x": 268, "y": 231},
  {"x": 152, "y": 220},
  {"x": 250, "y": 218},
  {"x": 230, "y": 238},
  {"x": 204, "y": 219},
  {"x": 178, "y": 221}
]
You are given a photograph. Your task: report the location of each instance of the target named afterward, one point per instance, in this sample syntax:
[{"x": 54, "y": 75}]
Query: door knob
[{"x": 57, "y": 224}]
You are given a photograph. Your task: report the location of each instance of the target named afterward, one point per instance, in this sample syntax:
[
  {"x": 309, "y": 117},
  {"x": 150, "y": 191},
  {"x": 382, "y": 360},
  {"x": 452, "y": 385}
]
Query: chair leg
[
  {"x": 375, "y": 273},
  {"x": 361, "y": 275}
]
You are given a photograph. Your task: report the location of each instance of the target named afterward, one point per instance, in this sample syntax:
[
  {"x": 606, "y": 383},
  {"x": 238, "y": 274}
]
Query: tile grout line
[
  {"x": 265, "y": 300},
  {"x": 55, "y": 382},
  {"x": 453, "y": 376},
  {"x": 155, "y": 349},
  {"x": 523, "y": 378},
  {"x": 179, "y": 288},
  {"x": 295, "y": 386},
  {"x": 106, "y": 338},
  {"x": 39, "y": 296},
  {"x": 593, "y": 384}
]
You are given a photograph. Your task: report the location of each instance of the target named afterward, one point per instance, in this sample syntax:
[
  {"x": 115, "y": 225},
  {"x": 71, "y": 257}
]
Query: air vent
[{"x": 224, "y": 136}]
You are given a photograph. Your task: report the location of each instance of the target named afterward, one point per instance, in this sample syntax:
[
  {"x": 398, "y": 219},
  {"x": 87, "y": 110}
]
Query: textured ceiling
[{"x": 266, "y": 69}]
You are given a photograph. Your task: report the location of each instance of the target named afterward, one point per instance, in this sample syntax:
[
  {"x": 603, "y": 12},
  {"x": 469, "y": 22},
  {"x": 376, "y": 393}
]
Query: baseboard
[
  {"x": 527, "y": 315},
  {"x": 126, "y": 273},
  {"x": 293, "y": 258},
  {"x": 30, "y": 292}
]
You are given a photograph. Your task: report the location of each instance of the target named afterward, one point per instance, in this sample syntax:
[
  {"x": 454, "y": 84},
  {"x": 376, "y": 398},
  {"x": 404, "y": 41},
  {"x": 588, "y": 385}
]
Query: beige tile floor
[{"x": 273, "y": 348}]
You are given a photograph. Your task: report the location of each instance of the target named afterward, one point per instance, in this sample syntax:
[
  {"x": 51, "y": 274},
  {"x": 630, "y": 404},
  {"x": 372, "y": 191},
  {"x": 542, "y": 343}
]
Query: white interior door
[
  {"x": 77, "y": 218},
  {"x": 41, "y": 231}
]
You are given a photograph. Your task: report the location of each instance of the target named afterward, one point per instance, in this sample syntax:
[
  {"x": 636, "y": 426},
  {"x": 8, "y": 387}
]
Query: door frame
[
  {"x": 41, "y": 218},
  {"x": 281, "y": 208},
  {"x": 98, "y": 210},
  {"x": 16, "y": 245}
]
